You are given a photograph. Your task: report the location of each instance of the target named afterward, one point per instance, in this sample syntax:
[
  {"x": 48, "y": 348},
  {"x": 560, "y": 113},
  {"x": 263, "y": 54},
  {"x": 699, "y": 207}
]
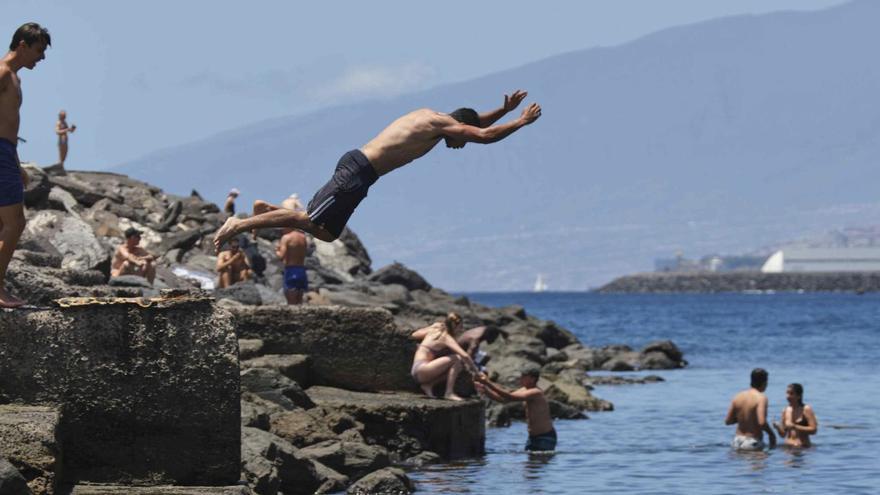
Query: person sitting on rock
[
  {"x": 404, "y": 140},
  {"x": 131, "y": 259},
  {"x": 542, "y": 435},
  {"x": 232, "y": 265},
  {"x": 429, "y": 368}
]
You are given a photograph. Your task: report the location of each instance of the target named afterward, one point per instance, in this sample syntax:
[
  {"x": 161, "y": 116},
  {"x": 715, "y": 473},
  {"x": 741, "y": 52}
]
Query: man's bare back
[
  {"x": 405, "y": 139},
  {"x": 292, "y": 248},
  {"x": 749, "y": 409}
]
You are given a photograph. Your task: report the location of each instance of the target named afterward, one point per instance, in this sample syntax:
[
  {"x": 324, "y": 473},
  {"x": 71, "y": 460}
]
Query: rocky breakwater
[
  {"x": 129, "y": 391},
  {"x": 710, "y": 282},
  {"x": 326, "y": 401}
]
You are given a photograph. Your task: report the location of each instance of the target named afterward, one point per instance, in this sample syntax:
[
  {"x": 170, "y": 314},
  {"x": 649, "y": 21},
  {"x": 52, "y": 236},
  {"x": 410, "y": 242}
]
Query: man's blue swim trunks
[
  {"x": 11, "y": 186},
  {"x": 295, "y": 278}
]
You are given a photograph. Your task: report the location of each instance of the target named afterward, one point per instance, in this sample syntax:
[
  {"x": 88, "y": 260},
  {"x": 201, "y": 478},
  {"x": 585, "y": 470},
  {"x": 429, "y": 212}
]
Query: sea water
[{"x": 670, "y": 437}]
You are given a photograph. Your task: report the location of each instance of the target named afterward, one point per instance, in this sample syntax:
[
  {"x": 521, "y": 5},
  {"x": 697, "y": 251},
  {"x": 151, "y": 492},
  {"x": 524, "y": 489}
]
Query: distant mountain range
[{"x": 715, "y": 137}]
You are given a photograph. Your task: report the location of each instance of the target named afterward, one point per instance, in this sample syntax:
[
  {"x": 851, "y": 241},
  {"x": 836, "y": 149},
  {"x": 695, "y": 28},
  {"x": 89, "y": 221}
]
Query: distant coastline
[{"x": 710, "y": 282}]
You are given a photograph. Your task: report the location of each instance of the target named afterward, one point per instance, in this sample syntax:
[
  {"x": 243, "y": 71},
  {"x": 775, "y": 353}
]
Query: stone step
[
  {"x": 410, "y": 423},
  {"x": 147, "y": 394},
  {"x": 351, "y": 348},
  {"x": 28, "y": 442}
]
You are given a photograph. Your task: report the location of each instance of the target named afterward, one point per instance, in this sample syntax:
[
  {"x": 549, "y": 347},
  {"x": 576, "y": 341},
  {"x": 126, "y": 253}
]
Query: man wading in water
[{"x": 406, "y": 139}]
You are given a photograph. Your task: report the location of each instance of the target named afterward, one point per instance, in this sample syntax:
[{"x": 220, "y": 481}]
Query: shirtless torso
[
  {"x": 292, "y": 248},
  {"x": 748, "y": 411},
  {"x": 537, "y": 411},
  {"x": 418, "y": 132},
  {"x": 232, "y": 268},
  {"x": 133, "y": 260},
  {"x": 10, "y": 103}
]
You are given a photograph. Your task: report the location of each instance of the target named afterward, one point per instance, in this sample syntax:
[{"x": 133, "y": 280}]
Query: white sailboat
[{"x": 540, "y": 285}]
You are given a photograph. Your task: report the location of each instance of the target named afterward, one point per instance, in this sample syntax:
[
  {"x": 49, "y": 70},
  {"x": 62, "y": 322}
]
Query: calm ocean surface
[{"x": 670, "y": 437}]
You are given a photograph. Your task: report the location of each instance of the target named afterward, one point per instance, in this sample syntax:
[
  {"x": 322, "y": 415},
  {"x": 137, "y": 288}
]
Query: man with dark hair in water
[
  {"x": 28, "y": 47},
  {"x": 748, "y": 411},
  {"x": 406, "y": 139},
  {"x": 542, "y": 435}
]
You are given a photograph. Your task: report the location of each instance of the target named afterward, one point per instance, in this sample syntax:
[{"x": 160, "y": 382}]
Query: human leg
[
  {"x": 11, "y": 226},
  {"x": 270, "y": 219},
  {"x": 62, "y": 152},
  {"x": 452, "y": 375},
  {"x": 294, "y": 296},
  {"x": 432, "y": 372},
  {"x": 149, "y": 272}
]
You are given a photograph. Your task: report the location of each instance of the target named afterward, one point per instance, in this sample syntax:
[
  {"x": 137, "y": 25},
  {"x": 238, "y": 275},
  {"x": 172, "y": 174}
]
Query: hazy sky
[{"x": 140, "y": 76}]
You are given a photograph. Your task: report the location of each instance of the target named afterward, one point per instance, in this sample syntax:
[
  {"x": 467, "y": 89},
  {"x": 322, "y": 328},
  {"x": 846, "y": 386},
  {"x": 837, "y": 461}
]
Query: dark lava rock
[
  {"x": 271, "y": 385},
  {"x": 387, "y": 480},
  {"x": 397, "y": 273}
]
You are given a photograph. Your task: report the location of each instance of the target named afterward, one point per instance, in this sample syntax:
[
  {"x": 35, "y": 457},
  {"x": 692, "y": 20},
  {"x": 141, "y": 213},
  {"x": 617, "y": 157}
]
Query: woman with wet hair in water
[{"x": 798, "y": 419}]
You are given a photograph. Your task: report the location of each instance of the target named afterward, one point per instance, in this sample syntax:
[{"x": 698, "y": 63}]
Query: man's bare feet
[
  {"x": 8, "y": 301},
  {"x": 225, "y": 233},
  {"x": 453, "y": 397}
]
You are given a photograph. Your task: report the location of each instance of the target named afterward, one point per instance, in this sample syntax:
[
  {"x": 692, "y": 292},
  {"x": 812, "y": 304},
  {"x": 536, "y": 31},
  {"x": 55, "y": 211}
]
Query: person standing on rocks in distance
[
  {"x": 428, "y": 369},
  {"x": 62, "y": 130},
  {"x": 292, "y": 252},
  {"x": 131, "y": 259},
  {"x": 542, "y": 435},
  {"x": 798, "y": 419},
  {"x": 748, "y": 411},
  {"x": 28, "y": 46},
  {"x": 229, "y": 205},
  {"x": 232, "y": 265},
  {"x": 404, "y": 140}
]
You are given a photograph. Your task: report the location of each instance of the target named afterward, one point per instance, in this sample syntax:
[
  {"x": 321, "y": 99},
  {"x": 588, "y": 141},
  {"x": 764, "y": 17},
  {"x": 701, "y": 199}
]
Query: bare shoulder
[{"x": 6, "y": 76}]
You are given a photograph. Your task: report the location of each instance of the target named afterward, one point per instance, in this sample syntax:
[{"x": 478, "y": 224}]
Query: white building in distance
[{"x": 823, "y": 260}]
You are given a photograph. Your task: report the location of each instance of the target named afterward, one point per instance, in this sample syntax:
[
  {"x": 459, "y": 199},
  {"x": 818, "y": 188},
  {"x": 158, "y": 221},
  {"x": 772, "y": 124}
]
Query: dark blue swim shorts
[
  {"x": 11, "y": 186},
  {"x": 295, "y": 278},
  {"x": 333, "y": 204}
]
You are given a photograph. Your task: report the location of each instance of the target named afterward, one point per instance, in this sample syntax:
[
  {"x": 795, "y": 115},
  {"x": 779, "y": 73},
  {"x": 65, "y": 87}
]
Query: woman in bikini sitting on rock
[{"x": 428, "y": 369}]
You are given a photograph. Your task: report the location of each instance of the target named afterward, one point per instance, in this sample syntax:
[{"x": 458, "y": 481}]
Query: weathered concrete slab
[
  {"x": 351, "y": 348},
  {"x": 159, "y": 490},
  {"x": 27, "y": 441},
  {"x": 410, "y": 423},
  {"x": 148, "y": 395}
]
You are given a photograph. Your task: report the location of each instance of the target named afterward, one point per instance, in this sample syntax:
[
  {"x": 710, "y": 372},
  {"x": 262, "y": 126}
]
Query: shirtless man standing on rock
[
  {"x": 748, "y": 411},
  {"x": 28, "y": 47},
  {"x": 542, "y": 435},
  {"x": 406, "y": 139},
  {"x": 292, "y": 252}
]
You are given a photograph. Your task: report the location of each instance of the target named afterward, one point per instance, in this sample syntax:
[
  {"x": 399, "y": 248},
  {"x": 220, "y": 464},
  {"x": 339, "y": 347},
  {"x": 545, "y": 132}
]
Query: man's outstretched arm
[
  {"x": 470, "y": 134},
  {"x": 510, "y": 104}
]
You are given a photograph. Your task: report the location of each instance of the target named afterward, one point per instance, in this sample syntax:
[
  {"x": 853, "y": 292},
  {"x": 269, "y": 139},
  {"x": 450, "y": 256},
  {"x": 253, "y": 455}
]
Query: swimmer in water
[{"x": 798, "y": 419}]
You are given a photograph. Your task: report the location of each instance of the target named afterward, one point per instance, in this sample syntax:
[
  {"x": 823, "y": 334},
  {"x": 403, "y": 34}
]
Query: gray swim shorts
[{"x": 742, "y": 442}]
